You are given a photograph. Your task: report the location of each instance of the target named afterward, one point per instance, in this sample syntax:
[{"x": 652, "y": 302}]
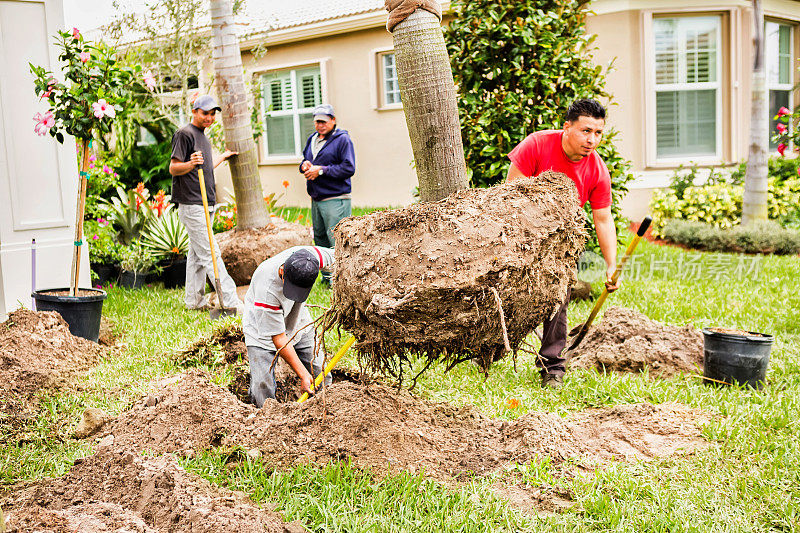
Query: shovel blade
[{"x": 216, "y": 313}]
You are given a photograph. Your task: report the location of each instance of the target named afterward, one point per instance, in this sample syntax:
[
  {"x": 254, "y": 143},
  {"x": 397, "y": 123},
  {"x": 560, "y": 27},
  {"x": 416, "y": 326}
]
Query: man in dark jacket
[{"x": 328, "y": 164}]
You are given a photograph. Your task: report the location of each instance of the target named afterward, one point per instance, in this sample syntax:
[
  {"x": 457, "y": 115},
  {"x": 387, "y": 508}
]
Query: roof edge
[{"x": 324, "y": 28}]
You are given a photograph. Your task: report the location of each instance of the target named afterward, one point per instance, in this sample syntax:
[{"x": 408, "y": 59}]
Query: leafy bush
[
  {"x": 101, "y": 183},
  {"x": 761, "y": 237},
  {"x": 129, "y": 213},
  {"x": 148, "y": 164},
  {"x": 225, "y": 217},
  {"x": 721, "y": 205},
  {"x": 137, "y": 258},
  {"x": 103, "y": 247},
  {"x": 780, "y": 168},
  {"x": 518, "y": 66},
  {"x": 166, "y": 237}
]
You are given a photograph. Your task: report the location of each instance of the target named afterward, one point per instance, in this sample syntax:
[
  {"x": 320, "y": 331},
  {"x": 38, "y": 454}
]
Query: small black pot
[
  {"x": 133, "y": 280},
  {"x": 731, "y": 358},
  {"x": 174, "y": 274},
  {"x": 105, "y": 273},
  {"x": 81, "y": 313}
]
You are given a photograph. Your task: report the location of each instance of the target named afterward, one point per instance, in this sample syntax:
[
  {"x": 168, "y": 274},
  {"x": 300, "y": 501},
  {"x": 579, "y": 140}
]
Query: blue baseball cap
[{"x": 300, "y": 272}]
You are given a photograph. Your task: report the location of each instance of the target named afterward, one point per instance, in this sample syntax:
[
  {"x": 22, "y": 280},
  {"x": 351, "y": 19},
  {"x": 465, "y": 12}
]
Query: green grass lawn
[{"x": 748, "y": 480}]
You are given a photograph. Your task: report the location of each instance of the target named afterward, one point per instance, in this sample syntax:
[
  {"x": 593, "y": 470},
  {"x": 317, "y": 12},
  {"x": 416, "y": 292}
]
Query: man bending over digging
[
  {"x": 571, "y": 151},
  {"x": 276, "y": 319}
]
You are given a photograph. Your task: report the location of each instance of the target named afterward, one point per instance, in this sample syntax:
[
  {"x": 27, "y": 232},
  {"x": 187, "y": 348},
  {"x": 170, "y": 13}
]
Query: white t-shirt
[{"x": 267, "y": 312}]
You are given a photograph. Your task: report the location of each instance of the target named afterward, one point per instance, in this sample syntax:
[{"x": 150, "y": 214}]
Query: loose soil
[
  {"x": 125, "y": 492},
  {"x": 225, "y": 347},
  {"x": 421, "y": 279},
  {"x": 739, "y": 332},
  {"x": 243, "y": 250},
  {"x": 388, "y": 429},
  {"x": 66, "y": 292},
  {"x": 627, "y": 341},
  {"x": 37, "y": 352}
]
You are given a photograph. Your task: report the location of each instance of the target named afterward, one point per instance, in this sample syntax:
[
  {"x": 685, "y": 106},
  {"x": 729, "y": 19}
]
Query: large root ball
[
  {"x": 243, "y": 250},
  {"x": 422, "y": 279}
]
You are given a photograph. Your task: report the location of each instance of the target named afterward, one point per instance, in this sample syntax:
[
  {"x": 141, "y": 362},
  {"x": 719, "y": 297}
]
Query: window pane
[
  {"x": 686, "y": 123},
  {"x": 777, "y": 99},
  {"x": 306, "y": 127},
  {"x": 391, "y": 87},
  {"x": 686, "y": 49},
  {"x": 280, "y": 135},
  {"x": 785, "y": 54},
  {"x": 310, "y": 87}
]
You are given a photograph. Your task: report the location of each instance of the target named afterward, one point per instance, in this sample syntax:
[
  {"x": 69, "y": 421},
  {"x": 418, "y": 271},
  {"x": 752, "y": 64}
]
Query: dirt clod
[
  {"x": 389, "y": 429},
  {"x": 91, "y": 422},
  {"x": 123, "y": 491},
  {"x": 37, "y": 352},
  {"x": 421, "y": 279},
  {"x": 243, "y": 250},
  {"x": 627, "y": 341}
]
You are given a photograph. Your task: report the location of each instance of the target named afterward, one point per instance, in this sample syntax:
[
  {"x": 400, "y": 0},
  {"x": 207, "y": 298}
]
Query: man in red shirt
[{"x": 571, "y": 151}]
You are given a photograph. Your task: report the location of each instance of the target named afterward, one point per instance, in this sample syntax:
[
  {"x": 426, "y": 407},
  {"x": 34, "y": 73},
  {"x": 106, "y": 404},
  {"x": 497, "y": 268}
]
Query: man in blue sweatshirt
[{"x": 328, "y": 164}]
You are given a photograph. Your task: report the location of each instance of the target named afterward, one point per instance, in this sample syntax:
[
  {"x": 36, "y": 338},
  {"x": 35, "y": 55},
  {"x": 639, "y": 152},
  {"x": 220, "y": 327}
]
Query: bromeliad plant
[
  {"x": 166, "y": 237},
  {"x": 91, "y": 93}
]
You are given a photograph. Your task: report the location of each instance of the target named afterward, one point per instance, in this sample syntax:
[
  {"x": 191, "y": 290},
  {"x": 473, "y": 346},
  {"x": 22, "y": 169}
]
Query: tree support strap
[{"x": 399, "y": 10}]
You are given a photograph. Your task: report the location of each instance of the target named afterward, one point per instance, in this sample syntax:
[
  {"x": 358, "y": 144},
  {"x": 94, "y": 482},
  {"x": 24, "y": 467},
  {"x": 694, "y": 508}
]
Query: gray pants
[
  {"x": 262, "y": 379},
  {"x": 198, "y": 262}
]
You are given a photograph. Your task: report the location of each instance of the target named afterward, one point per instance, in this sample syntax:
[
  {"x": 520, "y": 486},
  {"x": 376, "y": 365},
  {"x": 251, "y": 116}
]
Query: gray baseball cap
[
  {"x": 324, "y": 110},
  {"x": 206, "y": 102}
]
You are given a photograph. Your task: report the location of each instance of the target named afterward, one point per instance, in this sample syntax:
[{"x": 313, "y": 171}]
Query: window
[
  {"x": 389, "y": 83},
  {"x": 289, "y": 98},
  {"x": 687, "y": 85},
  {"x": 778, "y": 51}
]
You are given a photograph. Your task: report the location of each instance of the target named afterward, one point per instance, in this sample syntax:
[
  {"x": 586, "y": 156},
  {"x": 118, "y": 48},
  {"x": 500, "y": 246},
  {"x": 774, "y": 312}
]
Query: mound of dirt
[
  {"x": 243, "y": 250},
  {"x": 628, "y": 341},
  {"x": 37, "y": 351},
  {"x": 121, "y": 491},
  {"x": 422, "y": 279},
  {"x": 388, "y": 429}
]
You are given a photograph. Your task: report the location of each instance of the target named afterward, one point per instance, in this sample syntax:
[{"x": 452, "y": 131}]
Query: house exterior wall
[
  {"x": 38, "y": 176},
  {"x": 624, "y": 34}
]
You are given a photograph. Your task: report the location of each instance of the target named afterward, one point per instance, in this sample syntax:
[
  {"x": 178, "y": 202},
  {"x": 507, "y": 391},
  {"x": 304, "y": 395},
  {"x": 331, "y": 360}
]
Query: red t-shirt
[{"x": 542, "y": 151}]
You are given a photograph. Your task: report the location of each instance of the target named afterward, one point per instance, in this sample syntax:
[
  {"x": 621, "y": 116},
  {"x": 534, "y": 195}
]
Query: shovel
[
  {"x": 332, "y": 363},
  {"x": 214, "y": 312},
  {"x": 579, "y": 332}
]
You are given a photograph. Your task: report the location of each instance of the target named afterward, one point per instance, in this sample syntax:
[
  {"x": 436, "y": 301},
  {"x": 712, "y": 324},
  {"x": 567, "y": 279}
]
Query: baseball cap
[
  {"x": 324, "y": 109},
  {"x": 299, "y": 274},
  {"x": 206, "y": 103}
]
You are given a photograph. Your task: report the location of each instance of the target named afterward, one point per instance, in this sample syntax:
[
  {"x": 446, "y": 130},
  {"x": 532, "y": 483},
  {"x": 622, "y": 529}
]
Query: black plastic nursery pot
[
  {"x": 133, "y": 280},
  {"x": 105, "y": 273},
  {"x": 735, "y": 357},
  {"x": 174, "y": 274},
  {"x": 82, "y": 313}
]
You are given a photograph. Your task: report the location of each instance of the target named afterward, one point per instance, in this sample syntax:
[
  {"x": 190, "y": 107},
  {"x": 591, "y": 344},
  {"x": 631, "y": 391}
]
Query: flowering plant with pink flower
[{"x": 89, "y": 92}]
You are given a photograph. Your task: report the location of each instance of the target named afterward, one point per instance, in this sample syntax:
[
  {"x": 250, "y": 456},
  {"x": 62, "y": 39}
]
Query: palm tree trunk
[
  {"x": 251, "y": 208},
  {"x": 429, "y": 101},
  {"x": 754, "y": 202}
]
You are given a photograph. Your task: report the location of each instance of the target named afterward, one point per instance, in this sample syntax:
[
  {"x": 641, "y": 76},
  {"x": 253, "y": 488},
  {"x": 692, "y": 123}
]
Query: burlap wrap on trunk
[{"x": 418, "y": 280}]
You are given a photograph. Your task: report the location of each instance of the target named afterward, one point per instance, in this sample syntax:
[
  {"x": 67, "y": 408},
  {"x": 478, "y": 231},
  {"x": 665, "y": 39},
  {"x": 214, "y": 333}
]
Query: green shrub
[
  {"x": 721, "y": 205},
  {"x": 101, "y": 238},
  {"x": 765, "y": 237}
]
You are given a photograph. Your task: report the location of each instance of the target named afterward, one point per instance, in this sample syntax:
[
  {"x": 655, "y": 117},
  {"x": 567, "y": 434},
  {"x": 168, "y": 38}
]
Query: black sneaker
[{"x": 552, "y": 381}]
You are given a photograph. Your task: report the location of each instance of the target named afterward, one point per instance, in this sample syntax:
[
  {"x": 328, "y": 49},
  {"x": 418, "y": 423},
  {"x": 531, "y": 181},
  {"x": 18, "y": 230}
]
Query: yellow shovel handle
[
  {"x": 331, "y": 364},
  {"x": 208, "y": 225}
]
